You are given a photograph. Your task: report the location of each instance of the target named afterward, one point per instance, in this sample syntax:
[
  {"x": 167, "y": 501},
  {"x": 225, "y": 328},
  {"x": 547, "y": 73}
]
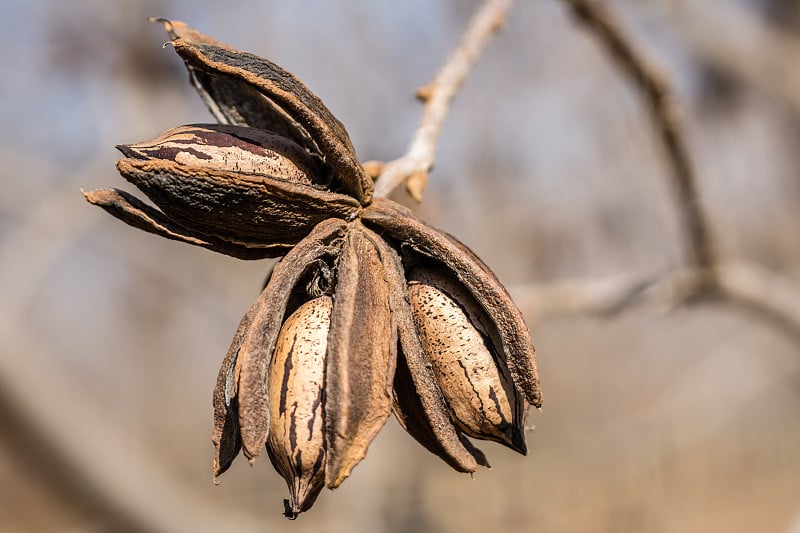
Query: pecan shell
[
  {"x": 517, "y": 348},
  {"x": 472, "y": 377},
  {"x": 296, "y": 385}
]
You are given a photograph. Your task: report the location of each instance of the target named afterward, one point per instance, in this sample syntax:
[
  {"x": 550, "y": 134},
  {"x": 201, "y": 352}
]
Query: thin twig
[
  {"x": 413, "y": 167},
  {"x": 569, "y": 297},
  {"x": 600, "y": 21}
]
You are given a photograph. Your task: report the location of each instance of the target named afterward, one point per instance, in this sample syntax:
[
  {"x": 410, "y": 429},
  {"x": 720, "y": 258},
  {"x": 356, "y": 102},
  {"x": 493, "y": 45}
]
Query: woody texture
[{"x": 370, "y": 311}]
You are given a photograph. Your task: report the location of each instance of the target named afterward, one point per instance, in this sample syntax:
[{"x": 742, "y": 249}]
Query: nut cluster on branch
[{"x": 370, "y": 311}]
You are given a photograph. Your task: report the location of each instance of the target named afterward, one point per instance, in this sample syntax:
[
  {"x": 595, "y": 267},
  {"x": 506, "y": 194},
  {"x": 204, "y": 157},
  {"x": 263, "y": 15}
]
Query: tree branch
[
  {"x": 567, "y": 297},
  {"x": 412, "y": 168},
  {"x": 747, "y": 286},
  {"x": 656, "y": 91},
  {"x": 773, "y": 299}
]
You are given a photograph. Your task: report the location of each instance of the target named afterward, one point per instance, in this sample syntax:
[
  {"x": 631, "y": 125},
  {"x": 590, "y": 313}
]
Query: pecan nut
[
  {"x": 296, "y": 441},
  {"x": 370, "y": 311},
  {"x": 473, "y": 378}
]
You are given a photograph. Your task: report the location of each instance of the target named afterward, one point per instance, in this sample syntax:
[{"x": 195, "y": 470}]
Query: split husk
[{"x": 357, "y": 319}]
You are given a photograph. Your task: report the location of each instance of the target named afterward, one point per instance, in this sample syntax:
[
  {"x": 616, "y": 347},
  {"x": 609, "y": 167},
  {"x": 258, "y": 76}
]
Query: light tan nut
[
  {"x": 473, "y": 381},
  {"x": 296, "y": 441},
  {"x": 233, "y": 149}
]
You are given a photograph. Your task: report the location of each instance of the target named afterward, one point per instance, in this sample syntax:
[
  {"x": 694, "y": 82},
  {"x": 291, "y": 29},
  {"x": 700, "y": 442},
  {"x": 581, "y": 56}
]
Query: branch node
[
  {"x": 415, "y": 184},
  {"x": 423, "y": 94}
]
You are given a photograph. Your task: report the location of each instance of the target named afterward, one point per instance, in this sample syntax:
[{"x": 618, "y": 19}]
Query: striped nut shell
[
  {"x": 296, "y": 441},
  {"x": 229, "y": 188},
  {"x": 457, "y": 339},
  {"x": 231, "y": 148}
]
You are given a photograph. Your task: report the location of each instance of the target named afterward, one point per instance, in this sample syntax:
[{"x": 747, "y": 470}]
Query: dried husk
[
  {"x": 361, "y": 356},
  {"x": 242, "y": 88},
  {"x": 232, "y": 101},
  {"x": 241, "y": 404},
  {"x": 280, "y": 177},
  {"x": 248, "y": 210},
  {"x": 416, "y": 400},
  {"x": 134, "y": 212},
  {"x": 240, "y": 191},
  {"x": 517, "y": 347}
]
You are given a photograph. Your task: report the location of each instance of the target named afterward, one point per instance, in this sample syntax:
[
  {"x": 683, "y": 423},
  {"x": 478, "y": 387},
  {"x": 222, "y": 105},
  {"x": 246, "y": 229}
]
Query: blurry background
[{"x": 656, "y": 420}]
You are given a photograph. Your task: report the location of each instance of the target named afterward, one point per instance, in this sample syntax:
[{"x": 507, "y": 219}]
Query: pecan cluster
[{"x": 370, "y": 310}]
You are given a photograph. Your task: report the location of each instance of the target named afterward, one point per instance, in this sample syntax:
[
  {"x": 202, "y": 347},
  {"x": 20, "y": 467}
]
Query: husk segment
[
  {"x": 518, "y": 351},
  {"x": 241, "y": 410},
  {"x": 251, "y": 211},
  {"x": 417, "y": 401},
  {"x": 361, "y": 357},
  {"x": 242, "y": 88},
  {"x": 138, "y": 214}
]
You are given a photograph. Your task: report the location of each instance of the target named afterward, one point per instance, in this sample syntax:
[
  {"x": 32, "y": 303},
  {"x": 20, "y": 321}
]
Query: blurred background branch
[
  {"x": 772, "y": 299},
  {"x": 75, "y": 443},
  {"x": 665, "y": 115},
  {"x": 767, "y": 296},
  {"x": 759, "y": 54}
]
